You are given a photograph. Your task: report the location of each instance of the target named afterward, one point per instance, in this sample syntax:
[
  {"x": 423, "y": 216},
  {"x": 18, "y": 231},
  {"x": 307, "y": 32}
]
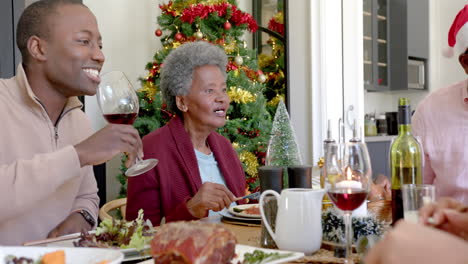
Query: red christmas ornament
[
  {"x": 227, "y": 25},
  {"x": 158, "y": 32},
  {"x": 178, "y": 36}
]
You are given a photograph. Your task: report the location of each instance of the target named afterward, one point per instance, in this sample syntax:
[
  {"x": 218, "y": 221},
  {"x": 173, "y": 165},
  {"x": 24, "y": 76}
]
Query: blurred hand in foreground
[
  {"x": 410, "y": 243},
  {"x": 447, "y": 214}
]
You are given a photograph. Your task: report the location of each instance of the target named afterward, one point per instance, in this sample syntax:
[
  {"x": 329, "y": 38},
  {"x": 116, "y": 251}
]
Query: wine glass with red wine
[
  {"x": 119, "y": 105},
  {"x": 348, "y": 188}
]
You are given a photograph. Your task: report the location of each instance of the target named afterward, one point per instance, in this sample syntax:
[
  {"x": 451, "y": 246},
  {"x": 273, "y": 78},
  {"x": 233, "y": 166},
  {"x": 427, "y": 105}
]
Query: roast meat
[{"x": 193, "y": 243}]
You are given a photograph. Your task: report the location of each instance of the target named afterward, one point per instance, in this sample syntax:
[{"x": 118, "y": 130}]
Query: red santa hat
[{"x": 458, "y": 34}]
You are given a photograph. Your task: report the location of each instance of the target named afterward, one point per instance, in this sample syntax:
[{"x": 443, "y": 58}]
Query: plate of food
[
  {"x": 227, "y": 215},
  {"x": 246, "y": 211},
  {"x": 202, "y": 242},
  {"x": 131, "y": 238},
  {"x": 253, "y": 255},
  {"x": 46, "y": 255}
]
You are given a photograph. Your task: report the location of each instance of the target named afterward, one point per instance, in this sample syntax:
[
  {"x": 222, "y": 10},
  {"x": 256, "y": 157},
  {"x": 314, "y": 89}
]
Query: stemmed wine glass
[
  {"x": 348, "y": 182},
  {"x": 119, "y": 105}
]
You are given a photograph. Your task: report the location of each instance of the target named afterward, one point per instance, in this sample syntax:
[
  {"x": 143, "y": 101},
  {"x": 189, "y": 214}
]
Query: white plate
[
  {"x": 72, "y": 255},
  {"x": 129, "y": 253},
  {"x": 243, "y": 207},
  {"x": 228, "y": 215},
  {"x": 242, "y": 249},
  {"x": 133, "y": 254}
]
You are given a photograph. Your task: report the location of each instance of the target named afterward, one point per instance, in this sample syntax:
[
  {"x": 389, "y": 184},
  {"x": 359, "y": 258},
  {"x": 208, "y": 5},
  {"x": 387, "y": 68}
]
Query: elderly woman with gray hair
[{"x": 198, "y": 171}]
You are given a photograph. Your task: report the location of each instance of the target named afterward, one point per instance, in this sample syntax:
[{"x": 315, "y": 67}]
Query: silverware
[
  {"x": 54, "y": 239},
  {"x": 253, "y": 196}
]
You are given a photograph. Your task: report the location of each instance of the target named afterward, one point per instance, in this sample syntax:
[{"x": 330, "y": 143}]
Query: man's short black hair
[{"x": 33, "y": 22}]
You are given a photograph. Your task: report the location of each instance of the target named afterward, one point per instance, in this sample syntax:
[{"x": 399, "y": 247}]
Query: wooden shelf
[
  {"x": 382, "y": 41},
  {"x": 367, "y": 38},
  {"x": 381, "y": 64},
  {"x": 367, "y": 62}
]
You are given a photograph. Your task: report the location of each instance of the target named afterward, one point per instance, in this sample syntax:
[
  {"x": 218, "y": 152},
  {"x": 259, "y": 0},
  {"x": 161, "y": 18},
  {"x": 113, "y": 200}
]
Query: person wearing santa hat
[{"x": 441, "y": 122}]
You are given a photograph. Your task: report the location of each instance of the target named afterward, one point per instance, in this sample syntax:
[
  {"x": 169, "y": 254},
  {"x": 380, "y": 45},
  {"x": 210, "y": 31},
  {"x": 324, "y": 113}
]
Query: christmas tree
[
  {"x": 223, "y": 24},
  {"x": 283, "y": 149}
]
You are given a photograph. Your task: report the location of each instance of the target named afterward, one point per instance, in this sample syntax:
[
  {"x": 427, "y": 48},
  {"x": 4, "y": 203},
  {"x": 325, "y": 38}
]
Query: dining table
[{"x": 248, "y": 234}]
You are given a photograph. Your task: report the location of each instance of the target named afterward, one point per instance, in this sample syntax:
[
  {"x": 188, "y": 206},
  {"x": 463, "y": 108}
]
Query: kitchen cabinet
[
  {"x": 394, "y": 31},
  {"x": 376, "y": 40},
  {"x": 418, "y": 29}
]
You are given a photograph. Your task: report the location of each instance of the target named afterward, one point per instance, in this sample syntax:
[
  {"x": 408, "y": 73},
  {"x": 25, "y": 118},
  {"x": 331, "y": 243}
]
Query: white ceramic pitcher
[{"x": 298, "y": 221}]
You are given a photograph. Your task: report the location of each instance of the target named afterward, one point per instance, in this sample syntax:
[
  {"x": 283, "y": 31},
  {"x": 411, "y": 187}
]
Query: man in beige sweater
[{"x": 47, "y": 147}]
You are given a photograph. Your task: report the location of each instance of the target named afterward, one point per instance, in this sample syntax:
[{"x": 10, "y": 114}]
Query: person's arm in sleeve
[
  {"x": 143, "y": 193},
  {"x": 83, "y": 215},
  {"x": 87, "y": 198},
  {"x": 419, "y": 131},
  {"x": 25, "y": 182}
]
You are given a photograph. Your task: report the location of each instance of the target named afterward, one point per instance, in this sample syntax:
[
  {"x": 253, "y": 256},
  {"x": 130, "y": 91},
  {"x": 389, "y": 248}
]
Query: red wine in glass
[
  {"x": 123, "y": 119},
  {"x": 347, "y": 199},
  {"x": 119, "y": 105},
  {"x": 347, "y": 177}
]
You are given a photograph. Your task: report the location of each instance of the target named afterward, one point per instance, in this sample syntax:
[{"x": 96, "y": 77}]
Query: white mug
[{"x": 298, "y": 221}]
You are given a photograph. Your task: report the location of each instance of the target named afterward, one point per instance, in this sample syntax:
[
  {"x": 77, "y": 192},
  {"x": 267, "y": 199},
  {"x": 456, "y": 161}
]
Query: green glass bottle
[{"x": 405, "y": 158}]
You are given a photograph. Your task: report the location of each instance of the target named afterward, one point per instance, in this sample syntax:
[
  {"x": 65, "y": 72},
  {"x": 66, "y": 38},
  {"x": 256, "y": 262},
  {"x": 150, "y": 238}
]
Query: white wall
[
  {"x": 300, "y": 92},
  {"x": 127, "y": 30},
  {"x": 442, "y": 71}
]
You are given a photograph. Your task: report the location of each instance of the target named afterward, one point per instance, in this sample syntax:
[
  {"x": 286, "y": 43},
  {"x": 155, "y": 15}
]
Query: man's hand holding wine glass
[
  {"x": 119, "y": 105},
  {"x": 108, "y": 142}
]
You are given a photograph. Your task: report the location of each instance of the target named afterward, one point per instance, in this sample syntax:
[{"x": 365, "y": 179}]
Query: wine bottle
[{"x": 405, "y": 158}]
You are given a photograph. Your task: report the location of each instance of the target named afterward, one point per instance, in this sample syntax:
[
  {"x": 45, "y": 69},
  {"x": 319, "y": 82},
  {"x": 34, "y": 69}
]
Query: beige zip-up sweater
[{"x": 41, "y": 181}]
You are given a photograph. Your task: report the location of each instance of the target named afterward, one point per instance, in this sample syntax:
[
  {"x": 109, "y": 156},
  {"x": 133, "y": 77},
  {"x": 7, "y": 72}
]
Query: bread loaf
[{"x": 193, "y": 243}]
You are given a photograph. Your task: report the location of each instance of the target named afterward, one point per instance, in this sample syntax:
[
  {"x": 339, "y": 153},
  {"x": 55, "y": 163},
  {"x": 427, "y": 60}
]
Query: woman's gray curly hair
[{"x": 177, "y": 71}]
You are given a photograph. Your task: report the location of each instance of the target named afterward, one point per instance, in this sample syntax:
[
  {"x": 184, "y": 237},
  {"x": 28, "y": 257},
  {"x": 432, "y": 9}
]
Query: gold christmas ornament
[
  {"x": 235, "y": 145},
  {"x": 320, "y": 162},
  {"x": 198, "y": 35},
  {"x": 250, "y": 161},
  {"x": 262, "y": 78},
  {"x": 239, "y": 95},
  {"x": 238, "y": 60}
]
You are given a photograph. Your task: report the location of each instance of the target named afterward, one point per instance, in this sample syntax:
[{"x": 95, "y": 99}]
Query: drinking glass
[
  {"x": 347, "y": 182},
  {"x": 416, "y": 196},
  {"x": 118, "y": 102}
]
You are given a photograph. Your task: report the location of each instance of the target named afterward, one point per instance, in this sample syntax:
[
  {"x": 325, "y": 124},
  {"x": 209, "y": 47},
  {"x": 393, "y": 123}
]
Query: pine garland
[{"x": 333, "y": 226}]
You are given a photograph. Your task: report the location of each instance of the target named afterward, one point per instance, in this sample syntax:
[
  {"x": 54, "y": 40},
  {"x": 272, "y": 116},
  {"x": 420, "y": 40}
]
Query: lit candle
[{"x": 350, "y": 184}]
